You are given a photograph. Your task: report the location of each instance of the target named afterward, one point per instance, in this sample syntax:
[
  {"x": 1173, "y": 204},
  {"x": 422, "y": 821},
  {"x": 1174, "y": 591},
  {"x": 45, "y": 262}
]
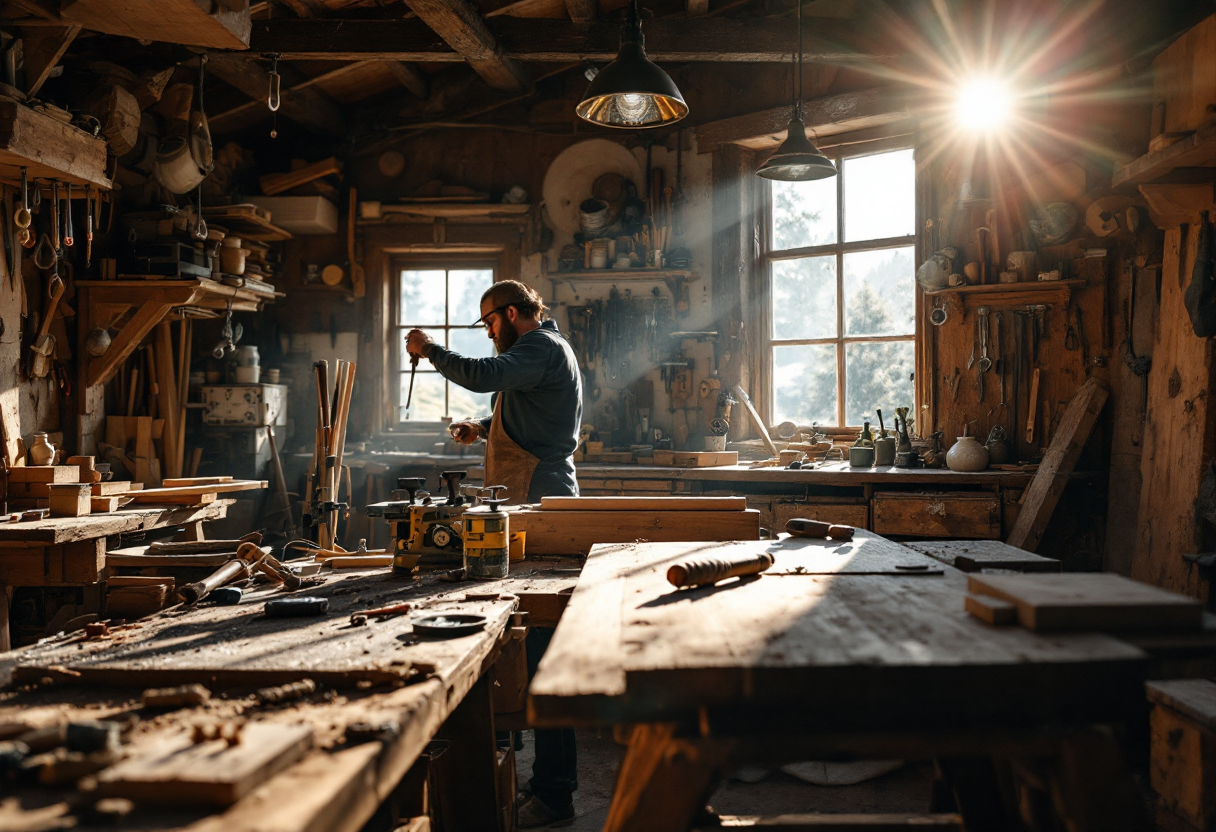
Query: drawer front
[
  {"x": 975, "y": 516},
  {"x": 774, "y": 512}
]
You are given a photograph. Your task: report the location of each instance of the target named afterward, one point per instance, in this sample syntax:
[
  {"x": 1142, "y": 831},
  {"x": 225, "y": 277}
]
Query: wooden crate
[
  {"x": 1182, "y": 751},
  {"x": 937, "y": 515},
  {"x": 575, "y": 532}
]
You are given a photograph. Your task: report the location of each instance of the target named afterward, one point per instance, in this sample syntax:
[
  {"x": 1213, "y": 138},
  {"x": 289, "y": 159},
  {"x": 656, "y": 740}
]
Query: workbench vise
[{"x": 425, "y": 534}]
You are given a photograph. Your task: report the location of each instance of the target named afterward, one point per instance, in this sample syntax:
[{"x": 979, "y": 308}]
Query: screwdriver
[{"x": 413, "y": 371}]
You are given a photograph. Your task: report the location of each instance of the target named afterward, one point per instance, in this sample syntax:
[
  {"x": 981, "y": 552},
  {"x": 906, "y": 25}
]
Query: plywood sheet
[
  {"x": 1090, "y": 601},
  {"x": 974, "y": 555}
]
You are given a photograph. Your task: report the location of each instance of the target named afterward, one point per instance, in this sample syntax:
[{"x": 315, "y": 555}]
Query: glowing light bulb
[
  {"x": 984, "y": 104},
  {"x": 634, "y": 107}
]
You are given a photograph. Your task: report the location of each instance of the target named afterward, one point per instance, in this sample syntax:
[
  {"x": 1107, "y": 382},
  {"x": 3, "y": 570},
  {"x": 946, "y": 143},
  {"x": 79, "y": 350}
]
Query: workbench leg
[
  {"x": 1092, "y": 788},
  {"x": 466, "y": 793},
  {"x": 191, "y": 532},
  {"x": 6, "y": 641},
  {"x": 664, "y": 782},
  {"x": 977, "y": 793}
]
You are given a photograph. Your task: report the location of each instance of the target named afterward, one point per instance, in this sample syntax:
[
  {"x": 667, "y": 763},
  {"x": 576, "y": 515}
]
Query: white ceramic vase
[
  {"x": 967, "y": 455},
  {"x": 40, "y": 452}
]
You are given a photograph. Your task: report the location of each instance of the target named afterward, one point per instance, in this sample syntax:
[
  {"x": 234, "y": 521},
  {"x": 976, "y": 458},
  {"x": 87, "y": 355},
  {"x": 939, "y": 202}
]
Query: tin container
[{"x": 486, "y": 543}]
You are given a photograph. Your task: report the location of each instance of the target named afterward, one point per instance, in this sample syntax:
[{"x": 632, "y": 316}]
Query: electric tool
[{"x": 425, "y": 534}]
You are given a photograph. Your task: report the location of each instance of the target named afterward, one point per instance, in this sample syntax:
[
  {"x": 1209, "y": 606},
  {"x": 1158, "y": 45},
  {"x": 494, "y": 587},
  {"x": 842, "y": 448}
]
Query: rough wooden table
[
  {"x": 71, "y": 551},
  {"x": 830, "y": 660},
  {"x": 379, "y": 674}
]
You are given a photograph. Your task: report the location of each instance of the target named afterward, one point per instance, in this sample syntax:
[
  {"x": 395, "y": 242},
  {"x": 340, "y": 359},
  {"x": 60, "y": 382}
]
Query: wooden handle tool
[
  {"x": 1032, "y": 410},
  {"x": 702, "y": 571},
  {"x": 799, "y": 527},
  {"x": 231, "y": 571}
]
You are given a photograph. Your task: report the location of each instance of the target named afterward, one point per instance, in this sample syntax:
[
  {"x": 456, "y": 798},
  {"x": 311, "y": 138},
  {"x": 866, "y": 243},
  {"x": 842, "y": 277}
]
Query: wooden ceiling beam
[
  {"x": 307, "y": 106},
  {"x": 236, "y": 117},
  {"x": 42, "y": 48},
  {"x": 824, "y": 116},
  {"x": 582, "y": 11},
  {"x": 465, "y": 31},
  {"x": 561, "y": 41},
  {"x": 410, "y": 77}
]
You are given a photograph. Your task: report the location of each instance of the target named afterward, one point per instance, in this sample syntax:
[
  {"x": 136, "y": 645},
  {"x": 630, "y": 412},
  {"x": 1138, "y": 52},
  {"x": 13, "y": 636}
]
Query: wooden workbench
[
  {"x": 379, "y": 674},
  {"x": 71, "y": 551},
  {"x": 801, "y": 665}
]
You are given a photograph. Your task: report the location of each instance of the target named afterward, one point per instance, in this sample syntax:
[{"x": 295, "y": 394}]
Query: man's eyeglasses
[{"x": 482, "y": 320}]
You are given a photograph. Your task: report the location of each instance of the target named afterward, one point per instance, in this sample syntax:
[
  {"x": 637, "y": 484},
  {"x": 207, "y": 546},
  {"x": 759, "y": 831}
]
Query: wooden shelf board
[
  {"x": 1005, "y": 288},
  {"x": 612, "y": 275},
  {"x": 1197, "y": 150},
  {"x": 435, "y": 209},
  {"x": 48, "y": 148}
]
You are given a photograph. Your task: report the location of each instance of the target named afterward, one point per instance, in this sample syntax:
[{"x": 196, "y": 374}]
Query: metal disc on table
[{"x": 449, "y": 624}]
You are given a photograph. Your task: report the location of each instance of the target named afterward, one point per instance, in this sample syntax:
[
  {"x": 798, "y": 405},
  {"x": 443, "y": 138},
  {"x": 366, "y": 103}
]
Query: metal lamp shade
[
  {"x": 632, "y": 92},
  {"x": 797, "y": 159}
]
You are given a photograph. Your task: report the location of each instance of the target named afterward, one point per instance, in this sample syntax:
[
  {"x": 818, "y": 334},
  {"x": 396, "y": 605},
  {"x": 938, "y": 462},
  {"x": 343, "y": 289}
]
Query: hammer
[{"x": 44, "y": 342}]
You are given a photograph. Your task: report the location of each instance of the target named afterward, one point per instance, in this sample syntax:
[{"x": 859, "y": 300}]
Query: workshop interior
[{"x": 624, "y": 415}]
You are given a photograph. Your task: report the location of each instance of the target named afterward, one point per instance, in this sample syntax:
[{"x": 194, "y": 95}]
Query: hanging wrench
[{"x": 985, "y": 361}]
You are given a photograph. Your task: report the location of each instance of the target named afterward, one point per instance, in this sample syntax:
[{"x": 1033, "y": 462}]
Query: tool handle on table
[
  {"x": 231, "y": 571},
  {"x": 701, "y": 571}
]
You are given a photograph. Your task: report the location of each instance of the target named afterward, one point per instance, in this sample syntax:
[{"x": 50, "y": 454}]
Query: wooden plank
[
  {"x": 176, "y": 770},
  {"x": 49, "y": 148},
  {"x": 976, "y": 555},
  {"x": 845, "y": 822},
  {"x": 1182, "y": 768},
  {"x": 992, "y": 610},
  {"x": 44, "y": 474},
  {"x": 462, "y": 27},
  {"x": 70, "y": 529},
  {"x": 826, "y": 115},
  {"x": 866, "y": 554},
  {"x": 1090, "y": 601},
  {"x": 410, "y": 77},
  {"x": 153, "y": 495},
  {"x": 1067, "y": 442},
  {"x": 168, "y": 399},
  {"x": 643, "y": 503},
  {"x": 183, "y": 482},
  {"x": 277, "y": 183},
  {"x": 741, "y": 40},
  {"x": 170, "y": 21},
  {"x": 42, "y": 48},
  {"x": 153, "y": 306},
  {"x": 1195, "y": 151},
  {"x": 582, "y": 11},
  {"x": 575, "y": 532}
]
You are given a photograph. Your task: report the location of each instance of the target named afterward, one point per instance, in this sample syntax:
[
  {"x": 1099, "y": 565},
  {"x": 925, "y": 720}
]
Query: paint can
[{"x": 486, "y": 538}]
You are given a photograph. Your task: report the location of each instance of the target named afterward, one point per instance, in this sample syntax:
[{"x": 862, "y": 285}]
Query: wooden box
[
  {"x": 70, "y": 499},
  {"x": 856, "y": 515},
  {"x": 937, "y": 514},
  {"x": 1182, "y": 751},
  {"x": 44, "y": 473}
]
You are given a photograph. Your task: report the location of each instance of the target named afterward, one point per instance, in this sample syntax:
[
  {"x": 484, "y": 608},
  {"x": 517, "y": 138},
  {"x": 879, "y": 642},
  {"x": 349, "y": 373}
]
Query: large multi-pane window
[
  {"x": 445, "y": 302},
  {"x": 842, "y": 278}
]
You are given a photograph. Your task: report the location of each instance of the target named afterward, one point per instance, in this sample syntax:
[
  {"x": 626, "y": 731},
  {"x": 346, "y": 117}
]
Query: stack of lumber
[
  {"x": 1079, "y": 601},
  {"x": 72, "y": 490},
  {"x": 325, "y": 470},
  {"x": 191, "y": 491},
  {"x": 572, "y": 525}
]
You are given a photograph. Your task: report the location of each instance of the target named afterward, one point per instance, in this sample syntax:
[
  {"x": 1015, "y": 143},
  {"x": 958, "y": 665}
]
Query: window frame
[
  {"x": 432, "y": 262},
  {"x": 769, "y": 256}
]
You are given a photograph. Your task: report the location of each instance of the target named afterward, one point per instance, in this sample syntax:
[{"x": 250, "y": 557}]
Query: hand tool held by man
[{"x": 530, "y": 441}]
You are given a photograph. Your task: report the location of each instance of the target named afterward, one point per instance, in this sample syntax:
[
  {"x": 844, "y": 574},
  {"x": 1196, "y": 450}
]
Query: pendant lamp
[
  {"x": 797, "y": 159},
  {"x": 632, "y": 92}
]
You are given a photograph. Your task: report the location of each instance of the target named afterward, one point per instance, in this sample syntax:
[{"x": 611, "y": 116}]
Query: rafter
[
  {"x": 237, "y": 117},
  {"x": 410, "y": 77},
  {"x": 42, "y": 48},
  {"x": 465, "y": 31},
  {"x": 581, "y": 11},
  {"x": 306, "y": 106},
  {"x": 561, "y": 41}
]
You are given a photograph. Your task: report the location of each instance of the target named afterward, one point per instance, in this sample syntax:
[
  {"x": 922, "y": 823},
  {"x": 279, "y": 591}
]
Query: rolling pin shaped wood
[
  {"x": 799, "y": 527},
  {"x": 231, "y": 571},
  {"x": 702, "y": 571}
]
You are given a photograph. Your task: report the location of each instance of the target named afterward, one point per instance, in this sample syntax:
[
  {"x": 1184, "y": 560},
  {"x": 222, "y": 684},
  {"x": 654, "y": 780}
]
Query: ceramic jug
[
  {"x": 967, "y": 455},
  {"x": 40, "y": 452}
]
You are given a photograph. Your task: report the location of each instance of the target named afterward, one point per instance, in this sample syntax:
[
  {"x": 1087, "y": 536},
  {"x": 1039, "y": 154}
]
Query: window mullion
[{"x": 840, "y": 362}]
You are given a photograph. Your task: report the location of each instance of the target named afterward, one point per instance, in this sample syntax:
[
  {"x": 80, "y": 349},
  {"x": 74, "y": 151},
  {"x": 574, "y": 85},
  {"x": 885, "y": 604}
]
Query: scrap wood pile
[{"x": 326, "y": 472}]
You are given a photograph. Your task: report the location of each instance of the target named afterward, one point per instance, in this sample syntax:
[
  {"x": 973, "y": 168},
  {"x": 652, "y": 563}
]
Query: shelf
[
  {"x": 614, "y": 275},
  {"x": 1197, "y": 150},
  {"x": 48, "y": 149},
  {"x": 1010, "y": 294},
  {"x": 106, "y": 301}
]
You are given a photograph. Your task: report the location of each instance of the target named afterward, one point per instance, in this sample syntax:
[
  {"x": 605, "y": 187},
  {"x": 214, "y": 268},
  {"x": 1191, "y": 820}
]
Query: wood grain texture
[
  {"x": 937, "y": 515},
  {"x": 645, "y": 503},
  {"x": 1178, "y": 442},
  {"x": 70, "y": 529},
  {"x": 170, "y": 21},
  {"x": 306, "y": 106},
  {"x": 868, "y": 649},
  {"x": 1067, "y": 442},
  {"x": 974, "y": 555},
  {"x": 175, "y": 770},
  {"x": 461, "y": 26},
  {"x": 1194, "y": 698},
  {"x": 1090, "y": 601},
  {"x": 575, "y": 532},
  {"x": 238, "y": 645},
  {"x": 1182, "y": 766},
  {"x": 49, "y": 148}
]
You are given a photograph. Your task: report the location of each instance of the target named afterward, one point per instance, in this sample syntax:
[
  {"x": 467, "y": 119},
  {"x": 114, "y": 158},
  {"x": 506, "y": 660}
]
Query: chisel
[{"x": 410, "y": 396}]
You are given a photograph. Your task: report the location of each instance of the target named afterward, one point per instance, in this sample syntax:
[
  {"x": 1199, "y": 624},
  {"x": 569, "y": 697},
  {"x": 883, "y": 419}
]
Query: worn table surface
[
  {"x": 864, "y": 651},
  {"x": 380, "y": 673},
  {"x": 58, "y": 530}
]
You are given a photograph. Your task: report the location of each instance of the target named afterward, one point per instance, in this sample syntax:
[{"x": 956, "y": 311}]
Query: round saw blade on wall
[{"x": 571, "y": 175}]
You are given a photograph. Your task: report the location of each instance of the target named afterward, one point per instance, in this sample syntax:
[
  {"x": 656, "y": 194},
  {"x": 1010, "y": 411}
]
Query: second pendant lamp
[
  {"x": 797, "y": 159},
  {"x": 632, "y": 92}
]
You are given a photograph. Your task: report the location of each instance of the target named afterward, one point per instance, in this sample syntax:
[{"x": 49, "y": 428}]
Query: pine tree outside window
[{"x": 842, "y": 292}]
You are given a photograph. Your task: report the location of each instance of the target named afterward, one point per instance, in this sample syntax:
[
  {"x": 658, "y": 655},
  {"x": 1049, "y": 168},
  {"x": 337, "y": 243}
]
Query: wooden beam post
[
  {"x": 410, "y": 77},
  {"x": 462, "y": 27},
  {"x": 582, "y": 11},
  {"x": 43, "y": 47},
  {"x": 733, "y": 265}
]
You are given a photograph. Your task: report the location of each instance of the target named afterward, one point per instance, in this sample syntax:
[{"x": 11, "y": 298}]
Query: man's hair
[{"x": 520, "y": 295}]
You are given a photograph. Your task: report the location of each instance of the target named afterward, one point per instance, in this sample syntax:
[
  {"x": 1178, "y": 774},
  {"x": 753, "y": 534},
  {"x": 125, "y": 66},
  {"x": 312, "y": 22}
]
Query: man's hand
[
  {"x": 418, "y": 343},
  {"x": 466, "y": 433}
]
